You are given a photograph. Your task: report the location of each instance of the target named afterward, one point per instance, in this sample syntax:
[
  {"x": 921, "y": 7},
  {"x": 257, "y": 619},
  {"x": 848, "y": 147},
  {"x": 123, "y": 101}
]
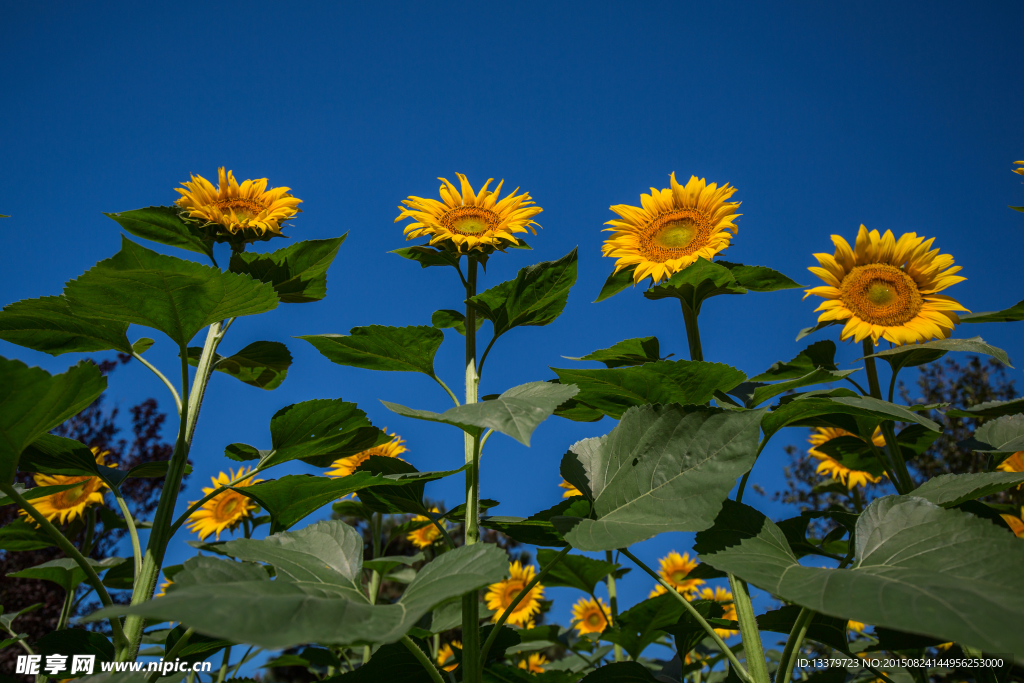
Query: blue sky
[{"x": 899, "y": 116}]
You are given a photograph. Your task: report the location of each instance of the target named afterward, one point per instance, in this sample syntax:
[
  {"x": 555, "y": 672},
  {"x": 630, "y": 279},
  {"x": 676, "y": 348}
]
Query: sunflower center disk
[
  {"x": 470, "y": 220},
  {"x": 73, "y": 496},
  {"x": 226, "y": 509},
  {"x": 674, "y": 235},
  {"x": 881, "y": 294},
  {"x": 244, "y": 208},
  {"x": 594, "y": 619}
]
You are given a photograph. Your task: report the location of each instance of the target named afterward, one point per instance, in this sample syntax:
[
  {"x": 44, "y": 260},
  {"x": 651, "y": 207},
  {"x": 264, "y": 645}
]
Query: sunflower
[
  {"x": 346, "y": 466},
  {"x": 570, "y": 490},
  {"x": 856, "y": 627},
  {"x": 71, "y": 503},
  {"x": 671, "y": 229},
  {"x": 425, "y": 536},
  {"x": 589, "y": 616},
  {"x": 1015, "y": 463},
  {"x": 1018, "y": 170},
  {"x": 500, "y": 595},
  {"x": 1016, "y": 523},
  {"x": 227, "y": 509},
  {"x": 163, "y": 588},
  {"x": 835, "y": 469},
  {"x": 888, "y": 288},
  {"x": 723, "y": 596},
  {"x": 470, "y": 221},
  {"x": 534, "y": 663},
  {"x": 674, "y": 569},
  {"x": 246, "y": 212},
  {"x": 446, "y": 653}
]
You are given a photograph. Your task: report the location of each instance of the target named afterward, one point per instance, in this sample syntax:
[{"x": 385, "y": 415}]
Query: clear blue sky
[{"x": 902, "y": 116}]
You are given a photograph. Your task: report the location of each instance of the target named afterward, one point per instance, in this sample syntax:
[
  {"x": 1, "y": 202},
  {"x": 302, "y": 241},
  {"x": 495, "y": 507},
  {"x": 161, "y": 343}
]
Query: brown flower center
[
  {"x": 881, "y": 294},
  {"x": 227, "y": 506},
  {"x": 243, "y": 208},
  {"x": 470, "y": 220},
  {"x": 675, "y": 234},
  {"x": 594, "y": 619},
  {"x": 511, "y": 591},
  {"x": 65, "y": 500}
]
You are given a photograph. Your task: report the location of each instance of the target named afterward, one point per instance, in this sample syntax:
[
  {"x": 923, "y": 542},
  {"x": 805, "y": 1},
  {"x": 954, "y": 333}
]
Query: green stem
[
  {"x": 515, "y": 603},
  {"x": 90, "y": 533},
  {"x": 375, "y": 577},
  {"x": 222, "y": 674},
  {"x": 242, "y": 661},
  {"x": 897, "y": 465},
  {"x": 471, "y": 602},
  {"x": 613, "y": 601},
  {"x": 132, "y": 531},
  {"x": 65, "y": 610},
  {"x": 692, "y": 332},
  {"x": 167, "y": 382},
  {"x": 857, "y": 504},
  {"x": 71, "y": 551},
  {"x": 178, "y": 646},
  {"x": 448, "y": 391},
  {"x": 432, "y": 671},
  {"x": 793, "y": 643},
  {"x": 708, "y": 628},
  {"x": 749, "y": 631}
]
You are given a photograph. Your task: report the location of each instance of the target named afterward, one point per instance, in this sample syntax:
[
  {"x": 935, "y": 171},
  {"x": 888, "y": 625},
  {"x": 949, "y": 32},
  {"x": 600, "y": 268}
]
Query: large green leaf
[
  {"x": 950, "y": 490},
  {"x": 642, "y": 624},
  {"x": 163, "y": 224},
  {"x": 447, "y": 318},
  {"x": 574, "y": 571},
  {"x": 535, "y": 297},
  {"x": 663, "y": 468},
  {"x": 615, "y": 283},
  {"x": 32, "y": 402},
  {"x": 990, "y": 409},
  {"x": 284, "y": 612},
  {"x": 298, "y": 273},
  {"x": 920, "y": 568},
  {"x": 400, "y": 349},
  {"x": 754, "y": 394},
  {"x": 22, "y": 535},
  {"x": 759, "y": 278},
  {"x": 393, "y": 663},
  {"x": 405, "y": 494},
  {"x": 1012, "y": 314},
  {"x": 36, "y": 492},
  {"x": 613, "y": 391},
  {"x": 823, "y": 629},
  {"x": 50, "y": 325},
  {"x": 177, "y": 297},
  {"x": 52, "y": 454},
  {"x": 428, "y": 256},
  {"x": 65, "y": 572},
  {"x": 328, "y": 552},
  {"x": 696, "y": 283},
  {"x": 856, "y": 414},
  {"x": 537, "y": 529},
  {"x": 75, "y": 641},
  {"x": 620, "y": 672},
  {"x": 626, "y": 353},
  {"x": 320, "y": 431},
  {"x": 261, "y": 364},
  {"x": 820, "y": 354},
  {"x": 516, "y": 412},
  {"x": 919, "y": 354},
  {"x": 1003, "y": 435}
]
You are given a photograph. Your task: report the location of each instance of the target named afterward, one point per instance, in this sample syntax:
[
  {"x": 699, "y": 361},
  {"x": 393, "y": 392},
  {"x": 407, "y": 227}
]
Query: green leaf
[
  {"x": 393, "y": 663},
  {"x": 142, "y": 345},
  {"x": 823, "y": 629},
  {"x": 384, "y": 565},
  {"x": 262, "y": 364},
  {"x": 920, "y": 569},
  {"x": 1012, "y": 314},
  {"x": 447, "y": 318},
  {"x": 285, "y": 612},
  {"x": 615, "y": 283},
  {"x": 75, "y": 641},
  {"x": 820, "y": 326},
  {"x": 626, "y": 353},
  {"x": 428, "y": 256},
  {"x": 613, "y": 391},
  {"x": 696, "y": 283},
  {"x": 320, "y": 431},
  {"x": 20, "y": 535},
  {"x": 820, "y": 354},
  {"x": 1002, "y": 435},
  {"x": 65, "y": 572},
  {"x": 754, "y": 393},
  {"x": 537, "y": 296},
  {"x": 163, "y": 224},
  {"x": 405, "y": 496},
  {"x": 574, "y": 571},
  {"x": 50, "y": 325},
  {"x": 51, "y": 454},
  {"x": 537, "y": 529},
  {"x": 516, "y": 412},
  {"x": 37, "y": 492},
  {"x": 399, "y": 349},
  {"x": 121, "y": 577},
  {"x": 32, "y": 402},
  {"x": 853, "y": 453},
  {"x": 759, "y": 278},
  {"x": 856, "y": 414},
  {"x": 198, "y": 648},
  {"x": 241, "y": 452},
  {"x": 687, "y": 631},
  {"x": 990, "y": 409},
  {"x": 177, "y": 297},
  {"x": 950, "y": 490},
  {"x": 298, "y": 273},
  {"x": 919, "y": 354},
  {"x": 663, "y": 468},
  {"x": 644, "y": 623}
]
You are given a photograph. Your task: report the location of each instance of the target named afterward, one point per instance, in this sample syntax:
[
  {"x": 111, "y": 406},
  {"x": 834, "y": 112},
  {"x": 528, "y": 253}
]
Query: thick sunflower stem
[
  {"x": 613, "y": 601},
  {"x": 375, "y": 577},
  {"x": 903, "y": 483},
  {"x": 793, "y": 643},
  {"x": 749, "y": 631},
  {"x": 471, "y": 602},
  {"x": 692, "y": 332}
]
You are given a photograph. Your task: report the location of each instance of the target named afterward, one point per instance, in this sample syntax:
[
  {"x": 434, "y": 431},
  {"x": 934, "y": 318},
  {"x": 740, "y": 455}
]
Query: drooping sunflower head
[
  {"x": 719, "y": 594},
  {"x": 1015, "y": 523},
  {"x": 590, "y": 616},
  {"x": 674, "y": 569},
  {"x": 342, "y": 467},
  {"x": 886, "y": 288},
  {"x": 237, "y": 213},
  {"x": 470, "y": 221},
  {"x": 227, "y": 509},
  {"x": 671, "y": 229},
  {"x": 501, "y": 594},
  {"x": 1015, "y": 463},
  {"x": 446, "y": 655},
  {"x": 570, "y": 490},
  {"x": 69, "y": 504},
  {"x": 829, "y": 466},
  {"x": 424, "y": 536},
  {"x": 533, "y": 663}
]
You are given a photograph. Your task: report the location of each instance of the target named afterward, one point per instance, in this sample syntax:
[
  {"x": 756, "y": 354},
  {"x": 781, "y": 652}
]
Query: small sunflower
[
  {"x": 425, "y": 536},
  {"x": 163, "y": 588},
  {"x": 835, "y": 469},
  {"x": 856, "y": 627},
  {"x": 534, "y": 663},
  {"x": 589, "y": 616},
  {"x": 886, "y": 288},
  {"x": 226, "y": 510},
  {"x": 470, "y": 221},
  {"x": 346, "y": 466},
  {"x": 723, "y": 596},
  {"x": 1018, "y": 170},
  {"x": 674, "y": 569},
  {"x": 66, "y": 506},
  {"x": 500, "y": 595},
  {"x": 1015, "y": 463},
  {"x": 671, "y": 229},
  {"x": 570, "y": 490},
  {"x": 246, "y": 212},
  {"x": 1016, "y": 523},
  {"x": 446, "y": 655}
]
